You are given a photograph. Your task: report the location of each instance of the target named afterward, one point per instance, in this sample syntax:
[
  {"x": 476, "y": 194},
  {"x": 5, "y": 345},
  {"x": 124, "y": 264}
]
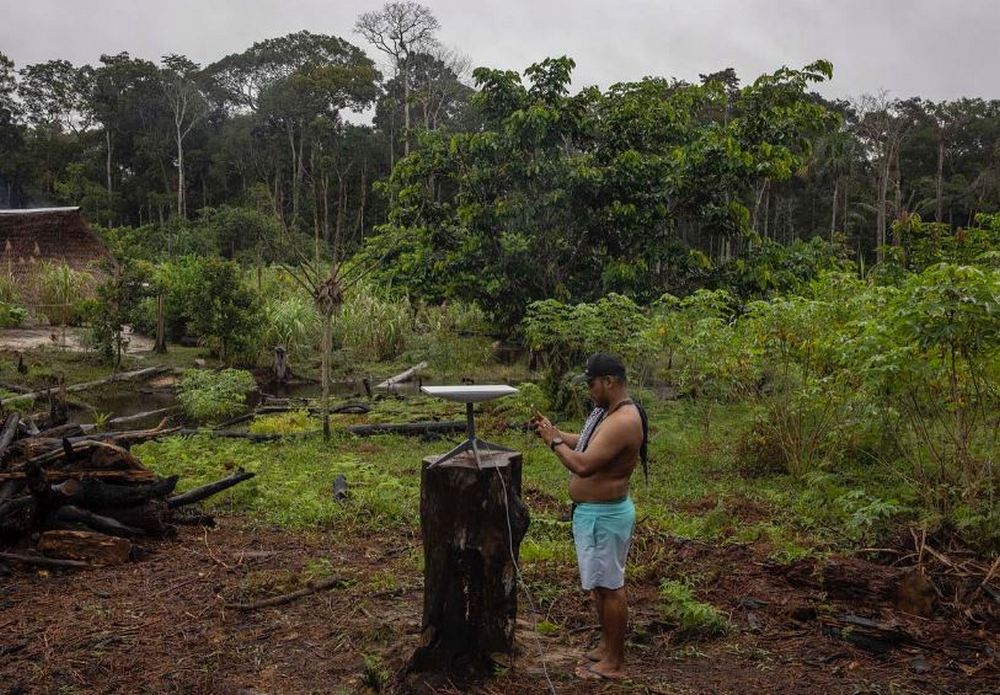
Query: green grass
[{"x": 696, "y": 488}]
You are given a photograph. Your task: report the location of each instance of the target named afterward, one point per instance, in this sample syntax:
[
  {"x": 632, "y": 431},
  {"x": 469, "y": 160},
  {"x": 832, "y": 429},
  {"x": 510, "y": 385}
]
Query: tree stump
[
  {"x": 470, "y": 579},
  {"x": 281, "y": 370}
]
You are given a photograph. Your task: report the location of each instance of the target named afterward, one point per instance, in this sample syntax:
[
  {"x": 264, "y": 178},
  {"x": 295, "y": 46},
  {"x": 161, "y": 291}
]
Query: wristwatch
[{"x": 556, "y": 441}]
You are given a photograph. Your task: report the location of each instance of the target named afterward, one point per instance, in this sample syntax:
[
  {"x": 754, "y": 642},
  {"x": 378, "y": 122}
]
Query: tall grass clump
[
  {"x": 58, "y": 290},
  {"x": 290, "y": 321},
  {"x": 373, "y": 326}
]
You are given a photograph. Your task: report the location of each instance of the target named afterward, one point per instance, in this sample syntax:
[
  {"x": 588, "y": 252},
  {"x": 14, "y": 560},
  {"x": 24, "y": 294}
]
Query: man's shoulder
[{"x": 623, "y": 419}]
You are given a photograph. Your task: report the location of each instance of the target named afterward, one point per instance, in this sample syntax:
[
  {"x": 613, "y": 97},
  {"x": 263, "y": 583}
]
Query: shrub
[
  {"x": 12, "y": 316},
  {"x": 209, "y": 297},
  {"x": 693, "y": 618},
  {"x": 117, "y": 300},
  {"x": 208, "y": 395}
]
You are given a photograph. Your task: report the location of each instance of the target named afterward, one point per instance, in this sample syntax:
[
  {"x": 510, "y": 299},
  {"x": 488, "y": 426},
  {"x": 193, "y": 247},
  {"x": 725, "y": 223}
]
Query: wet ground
[
  {"x": 73, "y": 339},
  {"x": 162, "y": 625}
]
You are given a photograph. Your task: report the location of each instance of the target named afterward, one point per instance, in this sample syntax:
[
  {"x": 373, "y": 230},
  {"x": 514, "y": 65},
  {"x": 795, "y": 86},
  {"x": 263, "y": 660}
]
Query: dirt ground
[
  {"x": 161, "y": 625},
  {"x": 74, "y": 339}
]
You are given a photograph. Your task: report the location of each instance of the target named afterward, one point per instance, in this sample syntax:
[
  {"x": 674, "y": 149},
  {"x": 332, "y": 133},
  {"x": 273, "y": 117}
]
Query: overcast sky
[{"x": 936, "y": 49}]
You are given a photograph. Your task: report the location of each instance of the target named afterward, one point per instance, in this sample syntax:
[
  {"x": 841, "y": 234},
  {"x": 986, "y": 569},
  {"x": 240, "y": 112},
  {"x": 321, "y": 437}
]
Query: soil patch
[{"x": 163, "y": 622}]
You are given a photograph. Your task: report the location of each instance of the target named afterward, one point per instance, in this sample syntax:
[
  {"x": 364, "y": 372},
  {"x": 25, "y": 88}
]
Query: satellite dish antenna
[{"x": 470, "y": 394}]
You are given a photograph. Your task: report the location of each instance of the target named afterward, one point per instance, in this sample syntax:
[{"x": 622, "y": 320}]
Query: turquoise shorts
[{"x": 602, "y": 532}]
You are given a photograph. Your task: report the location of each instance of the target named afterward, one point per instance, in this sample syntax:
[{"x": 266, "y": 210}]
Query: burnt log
[
  {"x": 96, "y": 494},
  {"x": 54, "y": 476},
  {"x": 70, "y": 514},
  {"x": 94, "y": 548},
  {"x": 68, "y": 430},
  {"x": 472, "y": 521},
  {"x": 15, "y": 505},
  {"x": 230, "y": 434},
  {"x": 18, "y": 515},
  {"x": 153, "y": 517},
  {"x": 200, "y": 493},
  {"x": 8, "y": 432}
]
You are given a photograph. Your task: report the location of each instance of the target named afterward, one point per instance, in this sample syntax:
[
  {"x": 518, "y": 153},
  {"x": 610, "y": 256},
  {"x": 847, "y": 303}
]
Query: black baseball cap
[{"x": 602, "y": 364}]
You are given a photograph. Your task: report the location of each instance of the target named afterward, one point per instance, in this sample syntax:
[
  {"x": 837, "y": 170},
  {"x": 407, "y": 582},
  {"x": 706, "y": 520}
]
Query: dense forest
[{"x": 465, "y": 179}]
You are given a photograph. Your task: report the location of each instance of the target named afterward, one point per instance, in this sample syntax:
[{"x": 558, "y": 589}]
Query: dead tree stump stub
[{"x": 470, "y": 578}]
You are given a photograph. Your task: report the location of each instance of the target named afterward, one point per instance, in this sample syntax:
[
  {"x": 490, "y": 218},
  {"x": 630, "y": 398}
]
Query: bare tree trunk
[
  {"x": 767, "y": 208},
  {"x": 327, "y": 356},
  {"x": 160, "y": 346},
  {"x": 406, "y": 108},
  {"x": 295, "y": 174},
  {"x": 341, "y": 201},
  {"x": 939, "y": 184},
  {"x": 833, "y": 207},
  {"x": 847, "y": 189},
  {"x": 326, "y": 207},
  {"x": 107, "y": 138},
  {"x": 364, "y": 198},
  {"x": 315, "y": 197},
  {"x": 181, "y": 207},
  {"x": 898, "y": 193},
  {"x": 883, "y": 194}
]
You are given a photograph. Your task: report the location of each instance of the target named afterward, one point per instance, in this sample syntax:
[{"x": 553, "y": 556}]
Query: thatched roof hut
[{"x": 60, "y": 235}]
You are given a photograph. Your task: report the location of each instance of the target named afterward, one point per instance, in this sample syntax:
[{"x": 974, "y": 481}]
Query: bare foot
[{"x": 600, "y": 670}]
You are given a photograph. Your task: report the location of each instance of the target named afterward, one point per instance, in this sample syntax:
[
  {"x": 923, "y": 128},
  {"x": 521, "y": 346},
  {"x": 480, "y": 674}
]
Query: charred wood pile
[{"x": 75, "y": 499}]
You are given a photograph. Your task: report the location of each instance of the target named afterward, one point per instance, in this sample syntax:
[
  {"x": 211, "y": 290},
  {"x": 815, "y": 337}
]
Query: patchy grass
[{"x": 691, "y": 493}]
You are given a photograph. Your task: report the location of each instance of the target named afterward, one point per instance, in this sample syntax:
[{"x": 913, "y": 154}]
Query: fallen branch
[
  {"x": 200, "y": 493},
  {"x": 125, "y": 419},
  {"x": 288, "y": 598},
  {"x": 102, "y": 524},
  {"x": 402, "y": 376},
  {"x": 232, "y": 434},
  {"x": 238, "y": 420},
  {"x": 350, "y": 408},
  {"x": 124, "y": 376},
  {"x": 40, "y": 561},
  {"x": 97, "y": 494}
]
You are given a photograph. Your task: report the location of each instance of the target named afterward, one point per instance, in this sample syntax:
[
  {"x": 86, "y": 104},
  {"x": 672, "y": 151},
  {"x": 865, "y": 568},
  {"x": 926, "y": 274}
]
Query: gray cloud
[{"x": 934, "y": 49}]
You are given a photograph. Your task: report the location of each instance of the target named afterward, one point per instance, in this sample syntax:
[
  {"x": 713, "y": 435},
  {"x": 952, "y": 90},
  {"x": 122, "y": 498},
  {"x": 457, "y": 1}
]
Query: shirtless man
[{"x": 601, "y": 460}]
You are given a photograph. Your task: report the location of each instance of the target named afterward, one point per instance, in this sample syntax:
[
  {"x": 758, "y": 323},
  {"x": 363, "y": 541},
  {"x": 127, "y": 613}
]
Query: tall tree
[
  {"x": 124, "y": 92},
  {"x": 400, "y": 30},
  {"x": 881, "y": 128},
  {"x": 188, "y": 106}
]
